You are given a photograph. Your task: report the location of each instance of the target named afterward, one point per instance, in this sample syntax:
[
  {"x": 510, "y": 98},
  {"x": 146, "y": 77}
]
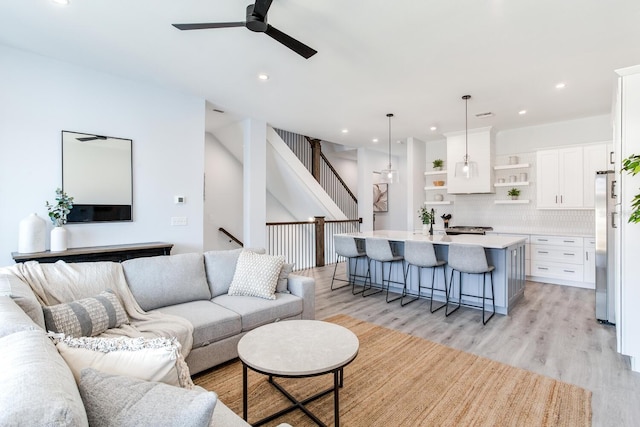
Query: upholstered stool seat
[
  {"x": 423, "y": 255},
  {"x": 348, "y": 248},
  {"x": 379, "y": 250},
  {"x": 470, "y": 259}
]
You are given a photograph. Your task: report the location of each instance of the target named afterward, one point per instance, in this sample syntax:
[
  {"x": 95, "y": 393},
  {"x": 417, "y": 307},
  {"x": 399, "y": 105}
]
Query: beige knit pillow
[{"x": 256, "y": 275}]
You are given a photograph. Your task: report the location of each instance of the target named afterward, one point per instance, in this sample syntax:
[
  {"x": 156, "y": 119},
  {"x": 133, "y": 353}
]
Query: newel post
[
  {"x": 319, "y": 238},
  {"x": 316, "y": 150}
]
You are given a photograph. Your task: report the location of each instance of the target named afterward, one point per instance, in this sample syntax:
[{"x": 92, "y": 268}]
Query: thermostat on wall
[{"x": 179, "y": 200}]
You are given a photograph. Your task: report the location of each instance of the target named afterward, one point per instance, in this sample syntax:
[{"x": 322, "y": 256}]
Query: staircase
[{"x": 309, "y": 152}]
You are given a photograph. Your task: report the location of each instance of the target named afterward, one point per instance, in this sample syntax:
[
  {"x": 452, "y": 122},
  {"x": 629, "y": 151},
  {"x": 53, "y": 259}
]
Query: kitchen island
[{"x": 506, "y": 253}]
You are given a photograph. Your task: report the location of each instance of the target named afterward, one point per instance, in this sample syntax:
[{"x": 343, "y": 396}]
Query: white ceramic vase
[
  {"x": 425, "y": 229},
  {"x": 58, "y": 239},
  {"x": 31, "y": 234}
]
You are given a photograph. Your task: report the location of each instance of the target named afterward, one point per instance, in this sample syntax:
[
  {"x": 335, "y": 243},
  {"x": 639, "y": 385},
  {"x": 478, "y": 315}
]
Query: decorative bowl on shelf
[
  {"x": 438, "y": 183},
  {"x": 438, "y": 197}
]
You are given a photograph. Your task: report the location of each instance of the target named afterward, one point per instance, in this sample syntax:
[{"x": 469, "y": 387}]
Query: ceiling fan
[{"x": 256, "y": 21}]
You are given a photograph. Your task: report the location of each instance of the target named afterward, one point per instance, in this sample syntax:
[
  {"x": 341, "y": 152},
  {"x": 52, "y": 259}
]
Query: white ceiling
[{"x": 413, "y": 58}]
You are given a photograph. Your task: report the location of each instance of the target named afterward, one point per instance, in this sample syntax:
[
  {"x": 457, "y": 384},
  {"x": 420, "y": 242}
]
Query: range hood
[{"x": 481, "y": 150}]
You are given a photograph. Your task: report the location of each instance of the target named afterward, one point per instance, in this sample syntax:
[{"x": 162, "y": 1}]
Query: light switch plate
[{"x": 178, "y": 220}]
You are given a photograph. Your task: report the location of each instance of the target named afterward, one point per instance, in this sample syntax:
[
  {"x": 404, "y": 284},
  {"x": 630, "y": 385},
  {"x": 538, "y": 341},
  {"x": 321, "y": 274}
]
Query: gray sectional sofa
[{"x": 38, "y": 388}]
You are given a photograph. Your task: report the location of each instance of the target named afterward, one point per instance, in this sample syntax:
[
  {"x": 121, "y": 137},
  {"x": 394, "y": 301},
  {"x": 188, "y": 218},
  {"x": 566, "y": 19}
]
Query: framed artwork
[{"x": 380, "y": 197}]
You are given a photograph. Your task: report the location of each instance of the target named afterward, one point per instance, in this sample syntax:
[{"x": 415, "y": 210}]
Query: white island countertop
[{"x": 487, "y": 241}]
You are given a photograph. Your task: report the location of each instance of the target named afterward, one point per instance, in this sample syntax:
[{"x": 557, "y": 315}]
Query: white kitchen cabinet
[
  {"x": 590, "y": 261},
  {"x": 595, "y": 158},
  {"x": 627, "y": 295},
  {"x": 558, "y": 259},
  {"x": 481, "y": 150},
  {"x": 560, "y": 178}
]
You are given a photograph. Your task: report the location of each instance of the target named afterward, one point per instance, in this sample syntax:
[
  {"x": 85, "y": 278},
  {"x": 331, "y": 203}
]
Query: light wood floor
[{"x": 551, "y": 331}]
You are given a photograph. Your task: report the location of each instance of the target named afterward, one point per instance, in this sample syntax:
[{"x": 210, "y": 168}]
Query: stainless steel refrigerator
[{"x": 605, "y": 221}]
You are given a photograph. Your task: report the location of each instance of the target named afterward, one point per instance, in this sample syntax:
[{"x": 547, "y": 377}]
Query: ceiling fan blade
[
  {"x": 262, "y": 7},
  {"x": 293, "y": 44},
  {"x": 208, "y": 25}
]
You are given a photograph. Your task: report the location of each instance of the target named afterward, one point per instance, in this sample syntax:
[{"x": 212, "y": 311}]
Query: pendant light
[
  {"x": 389, "y": 175},
  {"x": 466, "y": 169}
]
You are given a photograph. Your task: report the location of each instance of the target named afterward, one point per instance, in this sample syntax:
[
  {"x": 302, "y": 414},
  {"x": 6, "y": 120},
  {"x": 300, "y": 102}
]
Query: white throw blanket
[{"x": 65, "y": 282}]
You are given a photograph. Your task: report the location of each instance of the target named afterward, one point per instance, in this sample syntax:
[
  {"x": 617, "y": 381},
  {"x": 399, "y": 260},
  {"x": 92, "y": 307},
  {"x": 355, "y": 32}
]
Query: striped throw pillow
[{"x": 86, "y": 317}]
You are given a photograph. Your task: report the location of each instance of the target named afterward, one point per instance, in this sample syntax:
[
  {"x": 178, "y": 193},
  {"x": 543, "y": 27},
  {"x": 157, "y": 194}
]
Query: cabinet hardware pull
[
  {"x": 569, "y": 271},
  {"x": 613, "y": 220},
  {"x": 587, "y": 254},
  {"x": 613, "y": 189},
  {"x": 543, "y": 240},
  {"x": 568, "y": 254},
  {"x": 543, "y": 252},
  {"x": 611, "y": 161},
  {"x": 542, "y": 268},
  {"x": 569, "y": 241},
  {"x": 556, "y": 199},
  {"x": 561, "y": 199}
]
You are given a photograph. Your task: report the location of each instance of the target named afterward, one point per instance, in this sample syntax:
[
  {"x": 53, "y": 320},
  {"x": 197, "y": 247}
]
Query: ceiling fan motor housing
[{"x": 254, "y": 22}]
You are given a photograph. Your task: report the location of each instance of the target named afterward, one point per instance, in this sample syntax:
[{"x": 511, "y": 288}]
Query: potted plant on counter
[
  {"x": 514, "y": 193},
  {"x": 426, "y": 216},
  {"x": 631, "y": 165},
  {"x": 437, "y": 164}
]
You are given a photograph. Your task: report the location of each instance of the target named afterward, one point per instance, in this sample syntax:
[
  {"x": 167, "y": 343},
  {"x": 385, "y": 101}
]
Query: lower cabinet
[
  {"x": 561, "y": 260},
  {"x": 590, "y": 261}
]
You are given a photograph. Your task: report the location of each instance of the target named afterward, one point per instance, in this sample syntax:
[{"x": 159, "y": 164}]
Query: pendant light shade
[
  {"x": 389, "y": 175},
  {"x": 466, "y": 168}
]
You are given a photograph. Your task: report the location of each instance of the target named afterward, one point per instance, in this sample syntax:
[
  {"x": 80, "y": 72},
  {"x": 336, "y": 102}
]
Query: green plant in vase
[
  {"x": 437, "y": 164},
  {"x": 58, "y": 212},
  {"x": 631, "y": 165},
  {"x": 514, "y": 193}
]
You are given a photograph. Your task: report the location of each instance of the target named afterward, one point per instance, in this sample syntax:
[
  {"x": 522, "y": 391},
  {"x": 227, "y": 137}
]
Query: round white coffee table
[{"x": 298, "y": 349}]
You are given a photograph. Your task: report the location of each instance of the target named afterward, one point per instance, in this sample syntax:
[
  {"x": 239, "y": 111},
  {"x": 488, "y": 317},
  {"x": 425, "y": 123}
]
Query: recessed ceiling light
[
  {"x": 345, "y": 130},
  {"x": 263, "y": 76},
  {"x": 560, "y": 86},
  {"x": 61, "y": 2},
  {"x": 522, "y": 112},
  {"x": 433, "y": 128},
  {"x": 375, "y": 140}
]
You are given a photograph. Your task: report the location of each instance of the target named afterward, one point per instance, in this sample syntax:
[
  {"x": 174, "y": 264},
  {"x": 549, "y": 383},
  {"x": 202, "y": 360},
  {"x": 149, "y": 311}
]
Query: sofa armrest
[{"x": 305, "y": 288}]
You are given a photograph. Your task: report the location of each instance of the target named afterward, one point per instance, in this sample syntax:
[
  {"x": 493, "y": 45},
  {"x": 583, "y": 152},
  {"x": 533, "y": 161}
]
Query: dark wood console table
[{"x": 115, "y": 253}]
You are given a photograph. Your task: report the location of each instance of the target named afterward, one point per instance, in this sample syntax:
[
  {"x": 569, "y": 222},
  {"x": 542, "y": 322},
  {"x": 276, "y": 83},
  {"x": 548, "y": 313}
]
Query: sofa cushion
[
  {"x": 259, "y": 311},
  {"x": 14, "y": 319},
  {"x": 36, "y": 386},
  {"x": 22, "y": 294},
  {"x": 283, "y": 278},
  {"x": 221, "y": 266},
  {"x": 149, "y": 359},
  {"x": 114, "y": 400},
  {"x": 86, "y": 317},
  {"x": 256, "y": 275},
  {"x": 166, "y": 280},
  {"x": 210, "y": 321}
]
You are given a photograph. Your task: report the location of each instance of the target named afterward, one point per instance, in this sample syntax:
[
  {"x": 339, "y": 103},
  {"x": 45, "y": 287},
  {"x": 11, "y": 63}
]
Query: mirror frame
[{"x": 98, "y": 212}]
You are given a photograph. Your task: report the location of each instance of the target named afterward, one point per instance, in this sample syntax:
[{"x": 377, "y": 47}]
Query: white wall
[{"x": 41, "y": 97}]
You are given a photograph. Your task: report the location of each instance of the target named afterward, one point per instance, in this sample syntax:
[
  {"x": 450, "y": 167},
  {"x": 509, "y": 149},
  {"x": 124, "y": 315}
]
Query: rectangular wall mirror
[{"x": 97, "y": 173}]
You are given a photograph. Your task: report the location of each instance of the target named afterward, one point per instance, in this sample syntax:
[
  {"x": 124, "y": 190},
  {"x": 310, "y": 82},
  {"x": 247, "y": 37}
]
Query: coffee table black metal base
[{"x": 338, "y": 379}]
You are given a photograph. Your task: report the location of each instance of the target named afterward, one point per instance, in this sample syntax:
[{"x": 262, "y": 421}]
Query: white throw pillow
[
  {"x": 150, "y": 359},
  {"x": 256, "y": 275}
]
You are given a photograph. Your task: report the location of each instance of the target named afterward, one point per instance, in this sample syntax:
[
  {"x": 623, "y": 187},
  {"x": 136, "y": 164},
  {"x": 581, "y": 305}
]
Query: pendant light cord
[
  {"x": 390, "y": 115},
  {"x": 466, "y": 128}
]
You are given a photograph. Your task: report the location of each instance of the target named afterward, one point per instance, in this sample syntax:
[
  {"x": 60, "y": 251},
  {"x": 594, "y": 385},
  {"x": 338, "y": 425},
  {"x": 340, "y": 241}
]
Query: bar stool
[
  {"x": 347, "y": 248},
  {"x": 423, "y": 255},
  {"x": 470, "y": 259},
  {"x": 380, "y": 250}
]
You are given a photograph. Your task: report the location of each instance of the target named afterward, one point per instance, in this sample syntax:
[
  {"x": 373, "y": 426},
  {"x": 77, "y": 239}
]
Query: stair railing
[{"x": 230, "y": 236}]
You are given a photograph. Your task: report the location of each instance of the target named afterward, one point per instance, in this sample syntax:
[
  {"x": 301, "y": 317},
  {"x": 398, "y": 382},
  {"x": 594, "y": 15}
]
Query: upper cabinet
[
  {"x": 481, "y": 150},
  {"x": 560, "y": 178},
  {"x": 566, "y": 176}
]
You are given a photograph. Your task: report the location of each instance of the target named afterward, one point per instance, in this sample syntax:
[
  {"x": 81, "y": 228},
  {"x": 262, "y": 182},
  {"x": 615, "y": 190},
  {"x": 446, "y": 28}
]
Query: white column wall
[{"x": 255, "y": 183}]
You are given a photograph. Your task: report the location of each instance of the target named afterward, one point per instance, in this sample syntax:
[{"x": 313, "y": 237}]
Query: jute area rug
[{"x": 401, "y": 380}]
